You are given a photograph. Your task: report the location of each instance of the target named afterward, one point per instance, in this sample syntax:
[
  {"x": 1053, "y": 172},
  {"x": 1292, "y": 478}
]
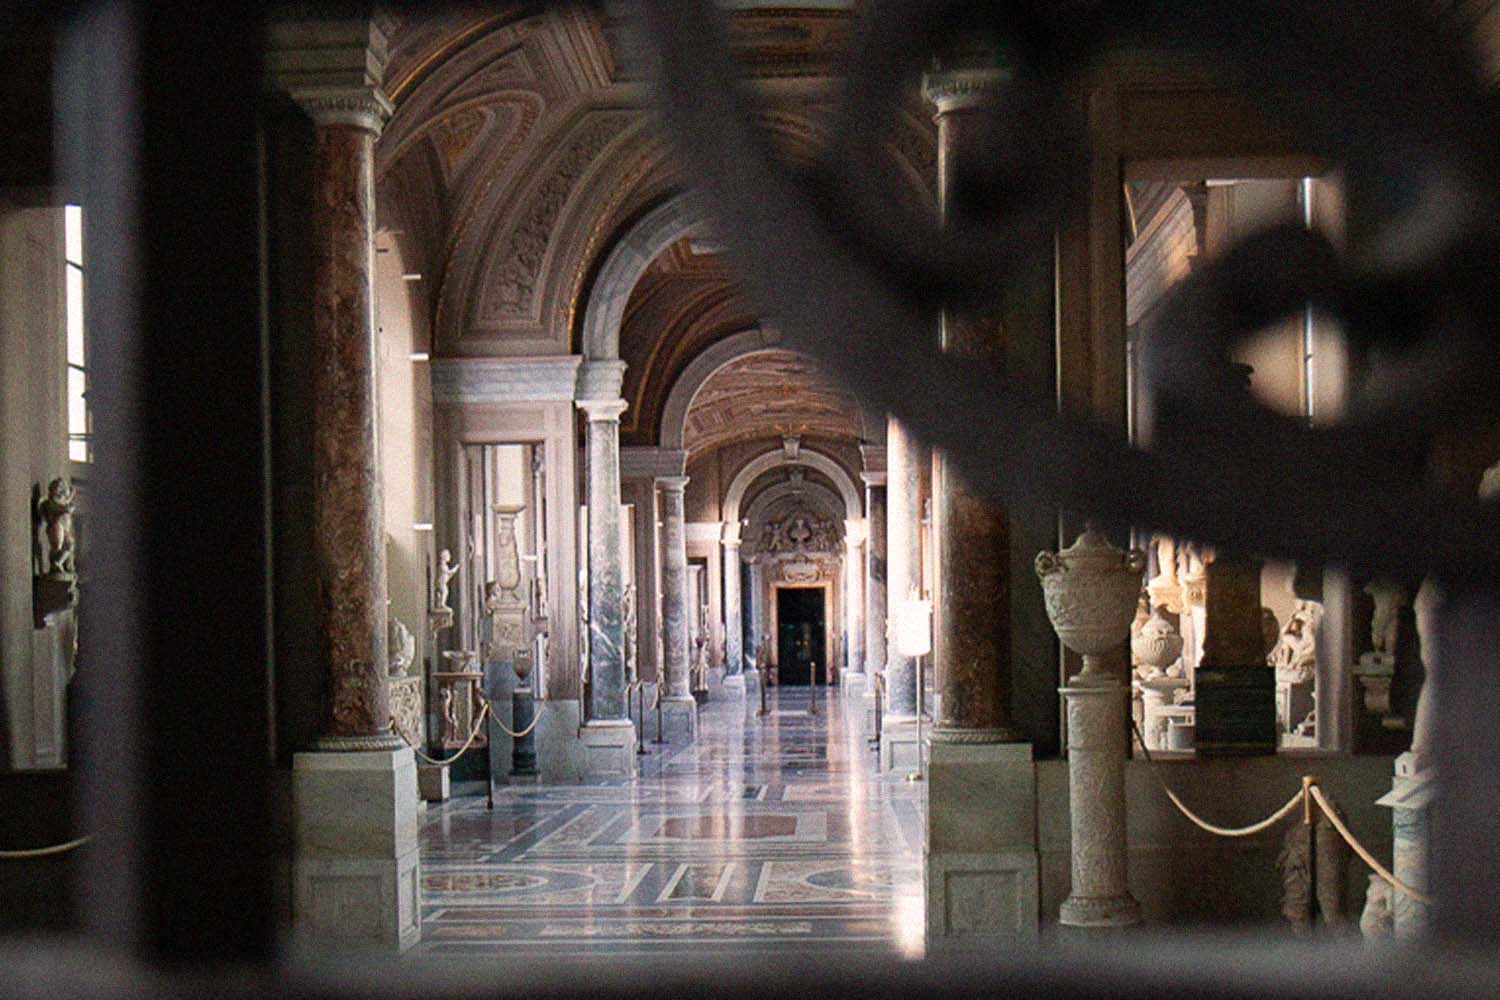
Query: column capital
[
  {"x": 962, "y": 89},
  {"x": 603, "y": 410},
  {"x": 672, "y": 484},
  {"x": 873, "y": 478},
  {"x": 731, "y": 539},
  {"x": 600, "y": 379},
  {"x": 364, "y": 108},
  {"x": 334, "y": 68}
]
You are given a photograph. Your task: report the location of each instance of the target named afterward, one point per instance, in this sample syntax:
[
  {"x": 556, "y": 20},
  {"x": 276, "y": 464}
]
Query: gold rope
[
  {"x": 1222, "y": 831},
  {"x": 44, "y": 852},
  {"x": 1338, "y": 824},
  {"x": 474, "y": 735}
]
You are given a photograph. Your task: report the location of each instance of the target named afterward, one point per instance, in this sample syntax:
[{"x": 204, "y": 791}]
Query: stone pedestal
[
  {"x": 432, "y": 782},
  {"x": 1410, "y": 800},
  {"x": 853, "y": 685},
  {"x": 1096, "y": 803},
  {"x": 735, "y": 685},
  {"x": 679, "y": 718},
  {"x": 355, "y": 871},
  {"x": 981, "y": 861},
  {"x": 608, "y": 750},
  {"x": 900, "y": 751}
]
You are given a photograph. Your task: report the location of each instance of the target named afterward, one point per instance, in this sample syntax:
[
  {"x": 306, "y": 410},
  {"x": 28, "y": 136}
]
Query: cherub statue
[
  {"x": 54, "y": 527},
  {"x": 1295, "y": 655},
  {"x": 446, "y": 570},
  {"x": 401, "y": 646}
]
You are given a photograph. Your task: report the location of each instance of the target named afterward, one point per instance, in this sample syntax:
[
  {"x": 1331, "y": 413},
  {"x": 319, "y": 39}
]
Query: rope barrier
[
  {"x": 44, "y": 852},
  {"x": 465, "y": 749},
  {"x": 535, "y": 718},
  {"x": 1222, "y": 831},
  {"x": 1365, "y": 856}
]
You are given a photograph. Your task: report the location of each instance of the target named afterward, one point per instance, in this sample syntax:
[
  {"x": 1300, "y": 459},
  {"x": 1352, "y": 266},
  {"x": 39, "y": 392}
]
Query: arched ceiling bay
[{"x": 769, "y": 392}]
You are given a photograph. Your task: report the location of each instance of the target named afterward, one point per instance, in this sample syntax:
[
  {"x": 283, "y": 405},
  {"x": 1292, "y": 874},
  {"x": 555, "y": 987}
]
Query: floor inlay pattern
[{"x": 770, "y": 833}]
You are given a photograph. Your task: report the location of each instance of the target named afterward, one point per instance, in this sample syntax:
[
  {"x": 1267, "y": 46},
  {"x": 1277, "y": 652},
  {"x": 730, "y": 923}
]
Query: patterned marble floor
[{"x": 768, "y": 834}]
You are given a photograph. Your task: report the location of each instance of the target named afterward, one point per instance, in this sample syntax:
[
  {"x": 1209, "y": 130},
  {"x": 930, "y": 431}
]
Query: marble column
[
  {"x": 354, "y": 796},
  {"x": 875, "y": 599},
  {"x": 982, "y": 868},
  {"x": 608, "y": 737},
  {"x": 853, "y": 680},
  {"x": 679, "y": 708},
  {"x": 904, "y": 456},
  {"x": 758, "y": 623},
  {"x": 734, "y": 654}
]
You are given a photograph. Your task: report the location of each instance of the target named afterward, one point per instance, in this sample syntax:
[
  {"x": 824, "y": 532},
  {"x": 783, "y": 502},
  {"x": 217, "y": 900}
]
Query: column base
[
  {"x": 608, "y": 750},
  {"x": 356, "y": 862},
  {"x": 734, "y": 685},
  {"x": 982, "y": 866},
  {"x": 852, "y": 685},
  {"x": 679, "y": 718},
  {"x": 561, "y": 755},
  {"x": 899, "y": 749},
  {"x": 1099, "y": 911}
]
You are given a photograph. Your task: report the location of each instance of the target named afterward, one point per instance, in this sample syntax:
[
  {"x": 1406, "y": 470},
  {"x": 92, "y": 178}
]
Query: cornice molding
[
  {"x": 505, "y": 380},
  {"x": 652, "y": 463}
]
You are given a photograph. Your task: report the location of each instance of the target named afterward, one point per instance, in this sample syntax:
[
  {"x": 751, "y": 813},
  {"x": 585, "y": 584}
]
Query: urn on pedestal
[{"x": 1091, "y": 588}]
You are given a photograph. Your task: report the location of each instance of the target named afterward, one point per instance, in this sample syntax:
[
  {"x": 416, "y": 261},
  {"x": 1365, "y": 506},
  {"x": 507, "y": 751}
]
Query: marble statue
[
  {"x": 450, "y": 714},
  {"x": 446, "y": 570},
  {"x": 629, "y": 622},
  {"x": 401, "y": 646},
  {"x": 54, "y": 553},
  {"x": 1308, "y": 883},
  {"x": 1377, "y": 922},
  {"x": 1389, "y": 597},
  {"x": 1295, "y": 655}
]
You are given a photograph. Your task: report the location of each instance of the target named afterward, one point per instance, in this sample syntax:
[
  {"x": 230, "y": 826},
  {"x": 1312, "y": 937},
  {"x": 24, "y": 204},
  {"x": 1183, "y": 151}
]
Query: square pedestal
[
  {"x": 608, "y": 750},
  {"x": 355, "y": 867},
  {"x": 561, "y": 756},
  {"x": 981, "y": 863},
  {"x": 899, "y": 749},
  {"x": 852, "y": 685},
  {"x": 679, "y": 719},
  {"x": 734, "y": 685},
  {"x": 432, "y": 782}
]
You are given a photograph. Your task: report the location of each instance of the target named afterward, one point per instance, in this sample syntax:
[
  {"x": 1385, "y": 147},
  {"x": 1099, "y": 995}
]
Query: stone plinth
[
  {"x": 679, "y": 718},
  {"x": 608, "y": 750},
  {"x": 1096, "y": 803},
  {"x": 432, "y": 782},
  {"x": 734, "y": 685},
  {"x": 356, "y": 860},
  {"x": 900, "y": 750},
  {"x": 561, "y": 753},
  {"x": 981, "y": 863},
  {"x": 1410, "y": 801}
]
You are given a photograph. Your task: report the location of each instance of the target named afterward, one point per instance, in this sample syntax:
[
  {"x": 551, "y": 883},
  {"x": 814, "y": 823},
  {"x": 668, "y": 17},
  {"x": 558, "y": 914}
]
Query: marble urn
[
  {"x": 1091, "y": 589},
  {"x": 1157, "y": 645}
]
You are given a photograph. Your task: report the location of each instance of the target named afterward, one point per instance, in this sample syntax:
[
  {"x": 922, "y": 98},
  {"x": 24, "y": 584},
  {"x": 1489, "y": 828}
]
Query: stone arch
[
  {"x": 757, "y": 467},
  {"x": 679, "y": 216},
  {"x": 721, "y": 353},
  {"x": 765, "y": 499}
]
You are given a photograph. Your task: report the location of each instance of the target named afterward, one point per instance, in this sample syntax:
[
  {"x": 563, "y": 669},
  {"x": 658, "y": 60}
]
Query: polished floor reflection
[{"x": 773, "y": 832}]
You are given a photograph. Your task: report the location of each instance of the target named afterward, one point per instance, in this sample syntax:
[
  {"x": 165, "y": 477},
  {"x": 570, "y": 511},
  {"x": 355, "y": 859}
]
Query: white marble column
[
  {"x": 1096, "y": 795},
  {"x": 679, "y": 709},
  {"x": 898, "y": 737},
  {"x": 758, "y": 623},
  {"x": 875, "y": 599},
  {"x": 853, "y": 680},
  {"x": 734, "y": 654}
]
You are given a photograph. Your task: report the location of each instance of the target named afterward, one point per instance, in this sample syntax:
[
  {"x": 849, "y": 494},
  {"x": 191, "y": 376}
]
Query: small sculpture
[
  {"x": 450, "y": 714},
  {"x": 54, "y": 532},
  {"x": 1389, "y": 597},
  {"x": 1300, "y": 897},
  {"x": 1157, "y": 647},
  {"x": 629, "y": 624},
  {"x": 1295, "y": 655},
  {"x": 401, "y": 646},
  {"x": 1378, "y": 921},
  {"x": 446, "y": 570}
]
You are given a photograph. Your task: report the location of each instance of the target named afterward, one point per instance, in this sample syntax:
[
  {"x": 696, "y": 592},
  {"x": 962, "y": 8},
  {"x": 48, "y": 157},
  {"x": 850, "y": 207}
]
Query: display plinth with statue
[
  {"x": 1091, "y": 590},
  {"x": 1234, "y": 685}
]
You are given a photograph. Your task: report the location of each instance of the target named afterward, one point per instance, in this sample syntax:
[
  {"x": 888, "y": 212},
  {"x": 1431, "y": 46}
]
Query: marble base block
[
  {"x": 852, "y": 685},
  {"x": 355, "y": 868},
  {"x": 679, "y": 719},
  {"x": 608, "y": 750},
  {"x": 899, "y": 749},
  {"x": 432, "y": 782},
  {"x": 981, "y": 864},
  {"x": 734, "y": 685},
  {"x": 560, "y": 752}
]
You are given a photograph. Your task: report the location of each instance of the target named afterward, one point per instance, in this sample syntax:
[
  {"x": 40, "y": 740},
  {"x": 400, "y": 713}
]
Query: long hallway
[{"x": 774, "y": 833}]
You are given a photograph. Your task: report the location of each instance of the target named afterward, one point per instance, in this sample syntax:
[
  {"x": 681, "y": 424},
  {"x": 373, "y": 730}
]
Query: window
[{"x": 79, "y": 420}]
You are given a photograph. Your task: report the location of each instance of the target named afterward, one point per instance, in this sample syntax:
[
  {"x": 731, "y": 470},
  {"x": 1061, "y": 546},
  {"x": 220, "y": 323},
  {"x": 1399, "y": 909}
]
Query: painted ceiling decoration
[{"x": 770, "y": 393}]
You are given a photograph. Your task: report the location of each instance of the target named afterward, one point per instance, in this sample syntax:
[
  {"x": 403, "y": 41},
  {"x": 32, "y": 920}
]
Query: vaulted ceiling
[{"x": 774, "y": 392}]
